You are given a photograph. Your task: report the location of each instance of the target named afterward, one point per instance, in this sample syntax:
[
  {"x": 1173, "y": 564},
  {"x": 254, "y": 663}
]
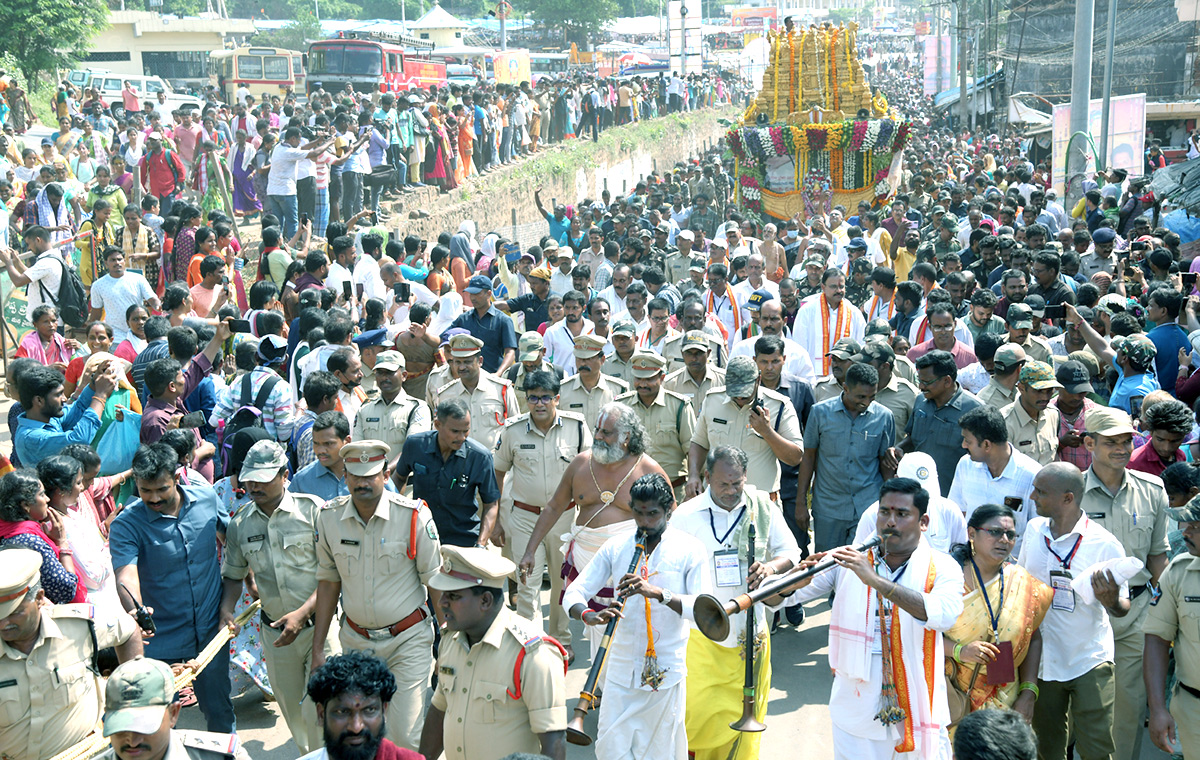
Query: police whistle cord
[{"x": 95, "y": 742}]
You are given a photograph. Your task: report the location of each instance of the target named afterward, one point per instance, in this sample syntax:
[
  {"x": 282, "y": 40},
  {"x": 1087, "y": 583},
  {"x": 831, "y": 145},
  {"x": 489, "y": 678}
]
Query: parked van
[
  {"x": 110, "y": 86},
  {"x": 79, "y": 78}
]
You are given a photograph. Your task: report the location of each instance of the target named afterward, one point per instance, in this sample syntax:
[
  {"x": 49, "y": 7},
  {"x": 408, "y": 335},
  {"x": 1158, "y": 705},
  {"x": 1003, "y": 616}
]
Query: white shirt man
[
  {"x": 114, "y": 295},
  {"x": 817, "y": 339},
  {"x": 366, "y": 273},
  {"x": 284, "y": 164},
  {"x": 560, "y": 344},
  {"x": 796, "y": 360},
  {"x": 974, "y": 486}
]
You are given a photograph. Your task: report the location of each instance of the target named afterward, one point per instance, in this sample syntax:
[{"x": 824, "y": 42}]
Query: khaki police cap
[
  {"x": 696, "y": 340},
  {"x": 365, "y": 458},
  {"x": 1105, "y": 420},
  {"x": 589, "y": 345},
  {"x": 470, "y": 566},
  {"x": 389, "y": 361},
  {"x": 263, "y": 462},
  {"x": 465, "y": 346},
  {"x": 646, "y": 364},
  {"x": 19, "y": 569}
]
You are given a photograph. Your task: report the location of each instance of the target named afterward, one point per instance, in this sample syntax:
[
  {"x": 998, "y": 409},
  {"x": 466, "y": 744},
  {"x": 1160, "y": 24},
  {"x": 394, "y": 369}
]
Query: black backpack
[
  {"x": 71, "y": 300},
  {"x": 247, "y": 419}
]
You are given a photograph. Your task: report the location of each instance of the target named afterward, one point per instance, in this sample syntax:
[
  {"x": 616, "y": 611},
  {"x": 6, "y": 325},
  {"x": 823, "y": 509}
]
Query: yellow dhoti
[{"x": 714, "y": 699}]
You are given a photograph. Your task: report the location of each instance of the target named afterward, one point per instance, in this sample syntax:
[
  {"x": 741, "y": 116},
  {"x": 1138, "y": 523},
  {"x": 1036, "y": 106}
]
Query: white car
[{"x": 110, "y": 86}]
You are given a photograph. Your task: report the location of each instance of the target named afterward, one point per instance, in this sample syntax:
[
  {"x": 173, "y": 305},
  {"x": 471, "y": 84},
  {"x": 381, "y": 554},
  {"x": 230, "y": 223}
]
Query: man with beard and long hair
[
  {"x": 598, "y": 482},
  {"x": 351, "y": 692},
  {"x": 645, "y": 673}
]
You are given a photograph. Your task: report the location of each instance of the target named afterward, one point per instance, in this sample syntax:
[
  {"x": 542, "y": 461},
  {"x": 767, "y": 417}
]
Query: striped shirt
[{"x": 278, "y": 413}]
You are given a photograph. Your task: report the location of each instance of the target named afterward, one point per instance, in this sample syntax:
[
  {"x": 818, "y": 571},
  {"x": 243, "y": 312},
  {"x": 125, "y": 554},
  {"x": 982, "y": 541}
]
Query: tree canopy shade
[
  {"x": 579, "y": 19},
  {"x": 43, "y": 35}
]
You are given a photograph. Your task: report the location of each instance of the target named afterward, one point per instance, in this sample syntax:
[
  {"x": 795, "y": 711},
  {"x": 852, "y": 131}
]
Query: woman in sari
[
  {"x": 27, "y": 522},
  {"x": 185, "y": 244},
  {"x": 241, "y": 165},
  {"x": 121, "y": 176},
  {"x": 43, "y": 344},
  {"x": 437, "y": 154},
  {"x": 1008, "y": 615},
  {"x": 208, "y": 182},
  {"x": 21, "y": 115}
]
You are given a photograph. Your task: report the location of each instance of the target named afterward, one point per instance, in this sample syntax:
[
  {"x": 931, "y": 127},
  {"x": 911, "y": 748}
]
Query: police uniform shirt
[
  {"x": 1136, "y": 515},
  {"x": 516, "y": 375},
  {"x": 721, "y": 422},
  {"x": 278, "y": 549},
  {"x": 1176, "y": 618},
  {"x": 622, "y": 369},
  {"x": 680, "y": 381},
  {"x": 670, "y": 424},
  {"x": 474, "y": 684},
  {"x": 392, "y": 422},
  {"x": 381, "y": 585},
  {"x": 826, "y": 388},
  {"x": 573, "y": 397},
  {"x": 996, "y": 395},
  {"x": 538, "y": 460},
  {"x": 438, "y": 378},
  {"x": 1037, "y": 439},
  {"x": 451, "y": 485},
  {"x": 51, "y": 698},
  {"x": 492, "y": 403},
  {"x": 1038, "y": 350},
  {"x": 672, "y": 351}
]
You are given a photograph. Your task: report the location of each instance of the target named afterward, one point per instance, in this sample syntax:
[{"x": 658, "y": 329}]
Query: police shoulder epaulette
[{"x": 80, "y": 611}]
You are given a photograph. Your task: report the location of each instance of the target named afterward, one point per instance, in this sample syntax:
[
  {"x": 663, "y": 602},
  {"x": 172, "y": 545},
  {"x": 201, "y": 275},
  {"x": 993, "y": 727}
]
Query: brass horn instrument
[
  {"x": 748, "y": 723},
  {"x": 712, "y": 618},
  {"x": 587, "y": 697}
]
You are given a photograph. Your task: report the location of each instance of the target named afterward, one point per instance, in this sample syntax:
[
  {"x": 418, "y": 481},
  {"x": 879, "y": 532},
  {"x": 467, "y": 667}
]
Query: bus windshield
[{"x": 355, "y": 60}]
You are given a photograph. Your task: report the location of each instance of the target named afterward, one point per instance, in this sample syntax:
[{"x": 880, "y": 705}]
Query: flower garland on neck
[{"x": 826, "y": 343}]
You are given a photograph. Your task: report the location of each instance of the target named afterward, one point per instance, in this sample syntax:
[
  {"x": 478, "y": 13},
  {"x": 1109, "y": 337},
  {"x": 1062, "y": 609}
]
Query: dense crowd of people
[{"x": 976, "y": 405}]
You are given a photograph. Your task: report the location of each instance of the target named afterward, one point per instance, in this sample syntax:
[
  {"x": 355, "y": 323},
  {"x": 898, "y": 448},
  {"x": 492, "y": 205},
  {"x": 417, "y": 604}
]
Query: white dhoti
[
  {"x": 847, "y": 746},
  {"x": 579, "y": 547},
  {"x": 637, "y": 724}
]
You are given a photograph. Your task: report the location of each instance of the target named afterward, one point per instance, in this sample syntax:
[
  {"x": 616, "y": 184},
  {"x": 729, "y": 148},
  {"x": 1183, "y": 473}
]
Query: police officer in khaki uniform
[
  {"x": 1132, "y": 506},
  {"x": 619, "y": 364},
  {"x": 893, "y": 391},
  {"x": 588, "y": 390},
  {"x": 49, "y": 686},
  {"x": 668, "y": 417},
  {"x": 537, "y": 448},
  {"x": 491, "y": 399},
  {"x": 376, "y": 550},
  {"x": 531, "y": 357},
  {"x": 444, "y": 373},
  {"x": 273, "y": 538},
  {"x": 391, "y": 415},
  {"x": 370, "y": 344},
  {"x": 1176, "y": 618},
  {"x": 1006, "y": 368},
  {"x": 675, "y": 345},
  {"x": 841, "y": 356},
  {"x": 745, "y": 415},
  {"x": 141, "y": 709},
  {"x": 698, "y": 375},
  {"x": 501, "y": 686},
  {"x": 1031, "y": 422}
]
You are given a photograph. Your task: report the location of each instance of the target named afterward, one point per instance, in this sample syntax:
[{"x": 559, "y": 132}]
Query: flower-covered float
[{"x": 815, "y": 136}]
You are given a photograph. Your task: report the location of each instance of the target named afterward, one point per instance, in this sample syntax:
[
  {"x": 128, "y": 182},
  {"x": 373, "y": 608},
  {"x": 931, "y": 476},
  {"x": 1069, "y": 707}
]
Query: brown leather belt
[
  {"x": 677, "y": 482},
  {"x": 527, "y": 507},
  {"x": 393, "y": 630}
]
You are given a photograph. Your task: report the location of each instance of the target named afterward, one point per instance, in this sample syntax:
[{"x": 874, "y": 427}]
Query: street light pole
[
  {"x": 1108, "y": 75},
  {"x": 1081, "y": 94}
]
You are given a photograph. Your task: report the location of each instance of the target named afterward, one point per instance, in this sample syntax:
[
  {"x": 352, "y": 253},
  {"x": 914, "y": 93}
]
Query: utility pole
[
  {"x": 960, "y": 28},
  {"x": 975, "y": 102},
  {"x": 1081, "y": 94},
  {"x": 937, "y": 18},
  {"x": 1102, "y": 159}
]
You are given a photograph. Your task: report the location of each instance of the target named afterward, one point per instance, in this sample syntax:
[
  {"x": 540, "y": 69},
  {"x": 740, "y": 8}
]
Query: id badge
[
  {"x": 1064, "y": 595},
  {"x": 728, "y": 569}
]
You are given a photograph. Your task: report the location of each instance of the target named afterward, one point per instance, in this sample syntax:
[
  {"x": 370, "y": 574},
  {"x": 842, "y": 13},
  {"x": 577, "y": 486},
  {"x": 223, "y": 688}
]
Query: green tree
[
  {"x": 43, "y": 35},
  {"x": 294, "y": 36},
  {"x": 578, "y": 19}
]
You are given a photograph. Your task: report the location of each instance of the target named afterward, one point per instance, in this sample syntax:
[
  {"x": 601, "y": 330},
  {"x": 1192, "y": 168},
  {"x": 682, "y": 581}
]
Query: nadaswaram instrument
[{"x": 748, "y": 722}]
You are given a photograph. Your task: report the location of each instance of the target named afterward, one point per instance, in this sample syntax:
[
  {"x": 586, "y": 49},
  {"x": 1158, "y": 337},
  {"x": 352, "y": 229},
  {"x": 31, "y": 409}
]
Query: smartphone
[
  {"x": 1135, "y": 406},
  {"x": 304, "y": 219},
  {"x": 1188, "y": 278},
  {"x": 403, "y": 292},
  {"x": 225, "y": 279},
  {"x": 1055, "y": 312},
  {"x": 192, "y": 420},
  {"x": 1139, "y": 245},
  {"x": 347, "y": 289},
  {"x": 240, "y": 325}
]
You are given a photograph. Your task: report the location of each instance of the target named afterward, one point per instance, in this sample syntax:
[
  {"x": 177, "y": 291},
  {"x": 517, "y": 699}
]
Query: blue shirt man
[
  {"x": 318, "y": 480},
  {"x": 35, "y": 440},
  {"x": 490, "y": 325},
  {"x": 449, "y": 484},
  {"x": 166, "y": 556}
]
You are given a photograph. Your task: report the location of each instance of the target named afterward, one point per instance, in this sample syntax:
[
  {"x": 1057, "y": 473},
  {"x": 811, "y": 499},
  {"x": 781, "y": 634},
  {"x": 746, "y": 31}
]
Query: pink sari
[{"x": 31, "y": 346}]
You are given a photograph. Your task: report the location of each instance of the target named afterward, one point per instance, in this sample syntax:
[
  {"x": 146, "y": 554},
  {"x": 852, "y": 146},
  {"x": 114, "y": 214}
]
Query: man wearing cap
[
  {"x": 947, "y": 526},
  {"x": 692, "y": 317},
  {"x": 490, "y": 398},
  {"x": 494, "y": 330},
  {"x": 589, "y": 390},
  {"x": 1072, "y": 403},
  {"x": 1101, "y": 258},
  {"x": 744, "y": 415},
  {"x": 840, "y": 357},
  {"x": 828, "y": 318},
  {"x": 164, "y": 549},
  {"x": 720, "y": 518},
  {"x": 808, "y": 278},
  {"x": 370, "y": 344},
  {"x": 1131, "y": 505},
  {"x": 537, "y": 448},
  {"x": 532, "y": 304},
  {"x": 676, "y": 263},
  {"x": 846, "y": 440},
  {"x": 1020, "y": 331},
  {"x": 1001, "y": 389},
  {"x": 892, "y": 391},
  {"x": 667, "y": 415},
  {"x": 1075, "y": 680},
  {"x": 1031, "y": 422},
  {"x": 624, "y": 343},
  {"x": 531, "y": 357},
  {"x": 273, "y": 538},
  {"x": 522, "y": 710},
  {"x": 453, "y": 473},
  {"x": 1173, "y": 620},
  {"x": 47, "y": 657},
  {"x": 697, "y": 376},
  {"x": 392, "y": 415},
  {"x": 376, "y": 551},
  {"x": 141, "y": 708}
]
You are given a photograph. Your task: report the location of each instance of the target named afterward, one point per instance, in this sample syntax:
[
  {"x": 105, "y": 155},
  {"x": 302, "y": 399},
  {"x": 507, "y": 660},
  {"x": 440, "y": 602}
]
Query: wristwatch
[{"x": 667, "y": 596}]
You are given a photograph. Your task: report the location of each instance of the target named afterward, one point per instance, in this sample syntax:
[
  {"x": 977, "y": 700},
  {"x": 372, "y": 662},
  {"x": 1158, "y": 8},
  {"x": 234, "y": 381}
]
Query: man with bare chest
[{"x": 598, "y": 483}]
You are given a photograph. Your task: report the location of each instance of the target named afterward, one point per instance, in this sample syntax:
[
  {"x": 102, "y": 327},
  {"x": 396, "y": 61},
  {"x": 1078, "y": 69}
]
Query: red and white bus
[{"x": 372, "y": 65}]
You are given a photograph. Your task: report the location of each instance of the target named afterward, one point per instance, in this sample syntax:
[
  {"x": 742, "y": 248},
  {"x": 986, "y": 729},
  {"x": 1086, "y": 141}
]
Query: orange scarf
[
  {"x": 875, "y": 303},
  {"x": 711, "y": 307},
  {"x": 840, "y": 330}
]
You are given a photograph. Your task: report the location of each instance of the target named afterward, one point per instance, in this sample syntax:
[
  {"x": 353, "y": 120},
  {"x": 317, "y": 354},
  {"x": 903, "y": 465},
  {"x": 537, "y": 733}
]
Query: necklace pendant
[{"x": 608, "y": 497}]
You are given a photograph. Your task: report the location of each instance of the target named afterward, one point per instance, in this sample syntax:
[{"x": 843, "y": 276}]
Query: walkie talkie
[{"x": 143, "y": 617}]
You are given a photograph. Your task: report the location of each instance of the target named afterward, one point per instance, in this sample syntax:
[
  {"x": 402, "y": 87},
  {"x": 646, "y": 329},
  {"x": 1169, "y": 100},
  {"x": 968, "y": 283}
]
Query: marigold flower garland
[{"x": 792, "y": 74}]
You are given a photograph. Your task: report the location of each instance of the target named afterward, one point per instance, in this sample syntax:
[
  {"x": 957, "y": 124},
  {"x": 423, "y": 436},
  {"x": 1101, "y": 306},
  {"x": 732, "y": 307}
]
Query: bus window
[
  {"x": 277, "y": 68},
  {"x": 362, "y": 61},
  {"x": 249, "y": 67},
  {"x": 393, "y": 63},
  {"x": 325, "y": 59}
]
